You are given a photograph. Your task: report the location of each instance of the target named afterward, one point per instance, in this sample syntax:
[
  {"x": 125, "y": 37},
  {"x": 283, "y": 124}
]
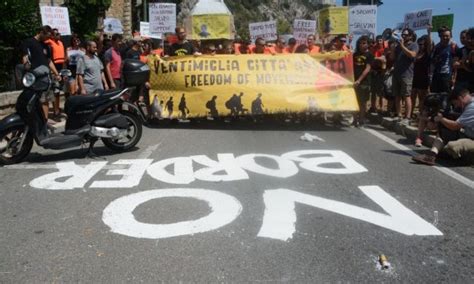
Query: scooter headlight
[{"x": 28, "y": 79}]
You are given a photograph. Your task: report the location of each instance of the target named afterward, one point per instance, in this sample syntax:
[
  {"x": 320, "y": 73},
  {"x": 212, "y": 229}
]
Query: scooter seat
[{"x": 83, "y": 100}]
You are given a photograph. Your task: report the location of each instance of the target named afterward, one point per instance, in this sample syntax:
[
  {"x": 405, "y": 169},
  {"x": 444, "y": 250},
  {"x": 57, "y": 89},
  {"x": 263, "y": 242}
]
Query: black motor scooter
[{"x": 108, "y": 116}]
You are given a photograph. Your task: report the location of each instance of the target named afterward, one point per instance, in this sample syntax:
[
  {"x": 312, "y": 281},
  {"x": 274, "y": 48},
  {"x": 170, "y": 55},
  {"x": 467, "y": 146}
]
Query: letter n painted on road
[
  {"x": 280, "y": 215},
  {"x": 118, "y": 215}
]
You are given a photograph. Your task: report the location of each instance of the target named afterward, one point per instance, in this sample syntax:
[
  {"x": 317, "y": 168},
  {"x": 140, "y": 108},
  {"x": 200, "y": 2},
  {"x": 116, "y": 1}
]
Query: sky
[{"x": 393, "y": 12}]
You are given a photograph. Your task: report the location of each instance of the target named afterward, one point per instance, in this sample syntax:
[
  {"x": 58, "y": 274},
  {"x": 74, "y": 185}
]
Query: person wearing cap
[
  {"x": 463, "y": 127},
  {"x": 135, "y": 51},
  {"x": 291, "y": 48}
]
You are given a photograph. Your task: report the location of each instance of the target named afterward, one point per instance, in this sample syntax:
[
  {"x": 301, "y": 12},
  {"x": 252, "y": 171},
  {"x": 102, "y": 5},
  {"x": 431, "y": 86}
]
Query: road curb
[{"x": 410, "y": 132}]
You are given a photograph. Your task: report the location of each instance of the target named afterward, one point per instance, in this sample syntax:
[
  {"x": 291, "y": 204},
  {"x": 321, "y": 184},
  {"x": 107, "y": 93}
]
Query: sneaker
[
  {"x": 425, "y": 159},
  {"x": 405, "y": 121},
  {"x": 56, "y": 118},
  {"x": 418, "y": 142},
  {"x": 51, "y": 122}
]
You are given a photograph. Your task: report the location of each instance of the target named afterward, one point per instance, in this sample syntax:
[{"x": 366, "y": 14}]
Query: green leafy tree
[
  {"x": 84, "y": 14},
  {"x": 18, "y": 20}
]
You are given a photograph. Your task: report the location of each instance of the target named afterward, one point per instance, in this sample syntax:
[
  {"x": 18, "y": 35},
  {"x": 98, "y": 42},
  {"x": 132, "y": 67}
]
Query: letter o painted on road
[{"x": 118, "y": 215}]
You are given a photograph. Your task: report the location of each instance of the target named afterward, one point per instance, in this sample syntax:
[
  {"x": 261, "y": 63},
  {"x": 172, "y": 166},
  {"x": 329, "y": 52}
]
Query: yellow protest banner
[
  {"x": 333, "y": 20},
  {"x": 252, "y": 84},
  {"x": 211, "y": 27}
]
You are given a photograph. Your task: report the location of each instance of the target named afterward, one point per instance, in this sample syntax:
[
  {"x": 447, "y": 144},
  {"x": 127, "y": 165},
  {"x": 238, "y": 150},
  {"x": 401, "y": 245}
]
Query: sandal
[{"x": 418, "y": 142}]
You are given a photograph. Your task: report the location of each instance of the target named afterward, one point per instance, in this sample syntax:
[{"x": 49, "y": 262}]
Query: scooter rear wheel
[
  {"x": 134, "y": 134},
  {"x": 10, "y": 140}
]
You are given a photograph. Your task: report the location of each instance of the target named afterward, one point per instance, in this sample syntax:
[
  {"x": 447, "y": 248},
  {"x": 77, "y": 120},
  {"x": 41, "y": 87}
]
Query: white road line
[
  {"x": 446, "y": 171},
  {"x": 148, "y": 151}
]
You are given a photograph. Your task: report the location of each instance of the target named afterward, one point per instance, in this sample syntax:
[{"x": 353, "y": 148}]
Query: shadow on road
[{"x": 248, "y": 123}]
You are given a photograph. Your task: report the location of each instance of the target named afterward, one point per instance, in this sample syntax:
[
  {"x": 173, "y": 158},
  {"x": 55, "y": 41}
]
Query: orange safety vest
[
  {"x": 314, "y": 50},
  {"x": 57, "y": 51}
]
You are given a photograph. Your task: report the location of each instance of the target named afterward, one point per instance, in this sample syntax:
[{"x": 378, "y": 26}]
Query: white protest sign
[
  {"x": 162, "y": 18},
  {"x": 57, "y": 18},
  {"x": 145, "y": 31},
  {"x": 302, "y": 29},
  {"x": 265, "y": 30},
  {"x": 363, "y": 20},
  {"x": 418, "y": 20},
  {"x": 113, "y": 26}
]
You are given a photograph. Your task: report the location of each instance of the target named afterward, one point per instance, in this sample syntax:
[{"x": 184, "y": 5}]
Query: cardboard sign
[
  {"x": 113, "y": 26},
  {"x": 302, "y": 29},
  {"x": 162, "y": 18},
  {"x": 418, "y": 20},
  {"x": 442, "y": 20},
  {"x": 333, "y": 20},
  {"x": 363, "y": 20},
  {"x": 145, "y": 31},
  {"x": 56, "y": 18},
  {"x": 265, "y": 30}
]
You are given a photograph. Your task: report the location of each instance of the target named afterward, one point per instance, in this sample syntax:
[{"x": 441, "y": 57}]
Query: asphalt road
[{"x": 274, "y": 216}]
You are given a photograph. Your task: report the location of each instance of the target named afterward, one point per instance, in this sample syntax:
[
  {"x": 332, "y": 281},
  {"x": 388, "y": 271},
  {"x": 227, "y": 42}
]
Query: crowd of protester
[{"x": 397, "y": 73}]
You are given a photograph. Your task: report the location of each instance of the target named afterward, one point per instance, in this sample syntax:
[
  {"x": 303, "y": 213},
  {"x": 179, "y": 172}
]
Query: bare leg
[
  {"x": 398, "y": 106},
  {"x": 408, "y": 107}
]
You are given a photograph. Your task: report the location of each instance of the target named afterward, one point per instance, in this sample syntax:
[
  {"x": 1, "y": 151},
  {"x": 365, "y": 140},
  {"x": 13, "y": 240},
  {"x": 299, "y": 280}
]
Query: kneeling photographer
[{"x": 455, "y": 136}]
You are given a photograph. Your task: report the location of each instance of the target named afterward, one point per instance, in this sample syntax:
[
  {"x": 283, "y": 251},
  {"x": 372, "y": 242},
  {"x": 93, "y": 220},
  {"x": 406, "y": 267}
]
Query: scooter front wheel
[
  {"x": 134, "y": 134},
  {"x": 11, "y": 150}
]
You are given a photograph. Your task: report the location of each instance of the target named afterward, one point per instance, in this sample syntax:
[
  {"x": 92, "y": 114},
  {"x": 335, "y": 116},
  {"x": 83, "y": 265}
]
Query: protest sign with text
[
  {"x": 162, "y": 17},
  {"x": 302, "y": 29},
  {"x": 442, "y": 20},
  {"x": 363, "y": 20},
  {"x": 265, "y": 30},
  {"x": 145, "y": 31},
  {"x": 56, "y": 18},
  {"x": 418, "y": 20}
]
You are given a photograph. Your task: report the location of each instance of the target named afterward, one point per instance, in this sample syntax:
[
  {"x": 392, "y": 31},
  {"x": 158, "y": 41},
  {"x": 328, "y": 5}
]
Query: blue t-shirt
[
  {"x": 467, "y": 120},
  {"x": 443, "y": 59}
]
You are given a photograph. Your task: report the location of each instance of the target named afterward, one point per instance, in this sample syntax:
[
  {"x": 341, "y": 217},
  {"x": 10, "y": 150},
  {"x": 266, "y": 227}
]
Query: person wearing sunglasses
[{"x": 404, "y": 55}]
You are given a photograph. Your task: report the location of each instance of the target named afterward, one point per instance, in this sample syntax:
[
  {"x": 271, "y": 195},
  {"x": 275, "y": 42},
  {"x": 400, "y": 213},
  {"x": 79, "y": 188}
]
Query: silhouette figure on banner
[
  {"x": 211, "y": 106},
  {"x": 239, "y": 106},
  {"x": 257, "y": 105},
  {"x": 231, "y": 105},
  {"x": 169, "y": 107},
  {"x": 183, "y": 107}
]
